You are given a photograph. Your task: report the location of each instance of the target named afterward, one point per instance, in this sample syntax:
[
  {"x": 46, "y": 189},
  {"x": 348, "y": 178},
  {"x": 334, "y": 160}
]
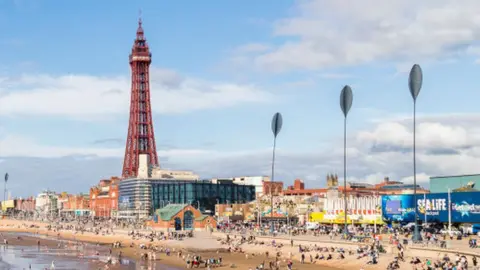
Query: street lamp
[
  {"x": 346, "y": 99},
  {"x": 415, "y": 80},
  {"x": 5, "y": 188},
  {"x": 277, "y": 122}
]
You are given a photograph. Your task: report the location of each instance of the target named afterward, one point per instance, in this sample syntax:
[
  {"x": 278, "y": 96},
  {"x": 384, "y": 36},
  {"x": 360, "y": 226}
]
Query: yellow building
[
  {"x": 6, "y": 205},
  {"x": 339, "y": 218}
]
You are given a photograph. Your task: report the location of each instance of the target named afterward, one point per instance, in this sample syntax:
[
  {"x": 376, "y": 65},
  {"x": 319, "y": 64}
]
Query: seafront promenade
[
  {"x": 249, "y": 254},
  {"x": 423, "y": 251}
]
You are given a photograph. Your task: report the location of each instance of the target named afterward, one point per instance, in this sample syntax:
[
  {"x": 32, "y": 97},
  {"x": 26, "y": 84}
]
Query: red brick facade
[
  {"x": 201, "y": 222},
  {"x": 104, "y": 198},
  {"x": 77, "y": 202},
  {"x": 25, "y": 205},
  {"x": 270, "y": 187},
  {"x": 298, "y": 188}
]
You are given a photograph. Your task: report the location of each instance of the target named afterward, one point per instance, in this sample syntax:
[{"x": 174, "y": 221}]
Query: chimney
[{"x": 386, "y": 179}]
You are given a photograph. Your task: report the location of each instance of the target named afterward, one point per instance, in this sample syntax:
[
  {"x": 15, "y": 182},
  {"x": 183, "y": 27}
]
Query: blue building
[
  {"x": 139, "y": 198},
  {"x": 134, "y": 198},
  {"x": 434, "y": 207},
  {"x": 441, "y": 184},
  {"x": 201, "y": 194}
]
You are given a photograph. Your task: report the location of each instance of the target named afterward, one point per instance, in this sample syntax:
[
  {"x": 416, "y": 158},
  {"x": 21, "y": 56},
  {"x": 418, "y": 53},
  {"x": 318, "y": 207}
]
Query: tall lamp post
[
  {"x": 415, "y": 80},
  {"x": 5, "y": 188},
  {"x": 277, "y": 122},
  {"x": 346, "y": 99}
]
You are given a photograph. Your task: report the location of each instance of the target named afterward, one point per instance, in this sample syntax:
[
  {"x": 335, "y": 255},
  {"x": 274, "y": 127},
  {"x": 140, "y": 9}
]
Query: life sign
[{"x": 432, "y": 206}]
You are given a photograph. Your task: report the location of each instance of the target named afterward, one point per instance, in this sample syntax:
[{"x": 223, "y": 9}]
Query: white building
[
  {"x": 147, "y": 172},
  {"x": 135, "y": 193},
  {"x": 256, "y": 181},
  {"x": 46, "y": 202},
  {"x": 357, "y": 207}
]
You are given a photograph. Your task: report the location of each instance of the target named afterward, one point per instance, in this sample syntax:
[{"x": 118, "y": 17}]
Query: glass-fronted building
[
  {"x": 139, "y": 198},
  {"x": 203, "y": 194},
  {"x": 441, "y": 184},
  {"x": 134, "y": 198}
]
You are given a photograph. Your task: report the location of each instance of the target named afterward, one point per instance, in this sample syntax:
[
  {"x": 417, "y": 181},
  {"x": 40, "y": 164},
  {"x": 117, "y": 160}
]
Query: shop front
[{"x": 458, "y": 207}]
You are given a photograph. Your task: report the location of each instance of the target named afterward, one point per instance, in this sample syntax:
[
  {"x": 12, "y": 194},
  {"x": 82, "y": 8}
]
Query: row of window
[{"x": 135, "y": 194}]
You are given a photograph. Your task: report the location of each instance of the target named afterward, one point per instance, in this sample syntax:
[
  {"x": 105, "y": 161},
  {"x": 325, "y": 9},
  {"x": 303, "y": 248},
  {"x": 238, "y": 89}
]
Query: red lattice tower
[{"x": 141, "y": 138}]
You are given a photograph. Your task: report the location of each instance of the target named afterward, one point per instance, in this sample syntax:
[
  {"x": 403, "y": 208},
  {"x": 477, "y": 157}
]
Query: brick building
[
  {"x": 104, "y": 198},
  {"x": 181, "y": 217},
  {"x": 271, "y": 187},
  {"x": 25, "y": 205},
  {"x": 77, "y": 202},
  {"x": 386, "y": 187}
]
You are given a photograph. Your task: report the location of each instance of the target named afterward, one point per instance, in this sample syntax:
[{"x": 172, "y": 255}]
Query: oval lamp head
[
  {"x": 277, "y": 122},
  {"x": 415, "y": 80},
  {"x": 346, "y": 99}
]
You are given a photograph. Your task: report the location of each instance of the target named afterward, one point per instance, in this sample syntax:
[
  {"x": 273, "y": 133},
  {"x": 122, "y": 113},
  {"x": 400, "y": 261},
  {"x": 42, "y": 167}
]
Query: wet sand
[
  {"x": 256, "y": 254},
  {"x": 22, "y": 250}
]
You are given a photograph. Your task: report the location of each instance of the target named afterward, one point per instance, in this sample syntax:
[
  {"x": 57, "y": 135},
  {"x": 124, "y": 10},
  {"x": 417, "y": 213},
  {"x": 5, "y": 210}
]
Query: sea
[{"x": 66, "y": 257}]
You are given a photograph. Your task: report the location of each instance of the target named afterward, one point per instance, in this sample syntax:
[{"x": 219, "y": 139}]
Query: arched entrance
[
  {"x": 188, "y": 220},
  {"x": 178, "y": 224}
]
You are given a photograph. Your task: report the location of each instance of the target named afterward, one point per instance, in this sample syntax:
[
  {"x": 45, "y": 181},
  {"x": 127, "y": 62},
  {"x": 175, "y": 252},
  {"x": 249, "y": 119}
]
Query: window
[{"x": 188, "y": 220}]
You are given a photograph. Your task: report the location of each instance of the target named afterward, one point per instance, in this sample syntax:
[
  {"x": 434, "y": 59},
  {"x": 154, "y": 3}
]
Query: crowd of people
[{"x": 240, "y": 237}]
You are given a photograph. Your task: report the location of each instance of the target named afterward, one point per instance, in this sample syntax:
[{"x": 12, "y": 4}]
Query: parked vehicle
[
  {"x": 312, "y": 226},
  {"x": 454, "y": 231},
  {"x": 471, "y": 229}
]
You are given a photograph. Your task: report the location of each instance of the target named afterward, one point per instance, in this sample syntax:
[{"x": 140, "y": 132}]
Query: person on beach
[{"x": 289, "y": 264}]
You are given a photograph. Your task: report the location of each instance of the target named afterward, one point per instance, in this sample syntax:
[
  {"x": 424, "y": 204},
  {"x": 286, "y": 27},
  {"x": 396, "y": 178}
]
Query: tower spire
[
  {"x": 140, "y": 138},
  {"x": 140, "y": 28}
]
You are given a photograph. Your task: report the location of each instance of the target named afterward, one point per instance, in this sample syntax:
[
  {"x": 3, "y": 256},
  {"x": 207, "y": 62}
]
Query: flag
[{"x": 6, "y": 177}]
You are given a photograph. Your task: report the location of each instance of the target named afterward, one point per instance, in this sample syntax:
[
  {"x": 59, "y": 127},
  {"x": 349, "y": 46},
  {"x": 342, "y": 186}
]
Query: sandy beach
[
  {"x": 202, "y": 247},
  {"x": 209, "y": 247}
]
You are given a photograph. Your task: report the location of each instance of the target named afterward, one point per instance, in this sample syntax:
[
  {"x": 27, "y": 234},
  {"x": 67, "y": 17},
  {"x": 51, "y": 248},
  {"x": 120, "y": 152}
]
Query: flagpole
[
  {"x": 449, "y": 212},
  {"x": 5, "y": 187},
  {"x": 425, "y": 208}
]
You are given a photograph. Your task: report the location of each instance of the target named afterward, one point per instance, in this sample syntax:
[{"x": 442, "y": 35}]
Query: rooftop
[
  {"x": 451, "y": 176},
  {"x": 166, "y": 213}
]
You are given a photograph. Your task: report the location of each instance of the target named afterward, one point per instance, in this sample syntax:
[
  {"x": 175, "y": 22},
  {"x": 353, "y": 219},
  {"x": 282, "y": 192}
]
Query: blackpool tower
[{"x": 140, "y": 138}]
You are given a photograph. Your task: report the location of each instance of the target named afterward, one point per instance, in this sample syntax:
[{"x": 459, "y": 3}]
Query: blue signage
[
  {"x": 398, "y": 208},
  {"x": 465, "y": 207}
]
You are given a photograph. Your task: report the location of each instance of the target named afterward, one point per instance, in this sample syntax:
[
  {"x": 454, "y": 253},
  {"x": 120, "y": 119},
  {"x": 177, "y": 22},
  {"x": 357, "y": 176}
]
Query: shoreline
[
  {"x": 256, "y": 251},
  {"x": 238, "y": 260},
  {"x": 51, "y": 239}
]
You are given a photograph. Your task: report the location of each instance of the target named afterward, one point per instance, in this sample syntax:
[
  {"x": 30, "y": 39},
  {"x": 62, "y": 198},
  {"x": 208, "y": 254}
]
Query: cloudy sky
[{"x": 221, "y": 69}]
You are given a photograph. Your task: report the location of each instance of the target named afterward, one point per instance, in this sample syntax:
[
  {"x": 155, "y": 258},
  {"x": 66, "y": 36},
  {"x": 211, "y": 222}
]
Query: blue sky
[{"x": 220, "y": 70}]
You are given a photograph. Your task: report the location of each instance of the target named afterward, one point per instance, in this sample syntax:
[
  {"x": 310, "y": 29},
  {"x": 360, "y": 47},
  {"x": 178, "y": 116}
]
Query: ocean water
[
  {"x": 31, "y": 257},
  {"x": 66, "y": 257}
]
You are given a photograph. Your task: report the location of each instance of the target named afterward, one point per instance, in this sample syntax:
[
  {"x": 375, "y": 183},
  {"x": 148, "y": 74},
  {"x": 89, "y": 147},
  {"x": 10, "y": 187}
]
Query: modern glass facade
[
  {"x": 134, "y": 198},
  {"x": 199, "y": 193},
  {"x": 139, "y": 198},
  {"x": 441, "y": 184}
]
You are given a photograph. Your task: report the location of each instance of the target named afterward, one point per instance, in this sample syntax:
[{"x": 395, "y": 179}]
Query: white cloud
[
  {"x": 21, "y": 146},
  {"x": 421, "y": 178},
  {"x": 447, "y": 145},
  {"x": 91, "y": 96},
  {"x": 252, "y": 48},
  {"x": 335, "y": 76},
  {"x": 327, "y": 33},
  {"x": 430, "y": 134}
]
